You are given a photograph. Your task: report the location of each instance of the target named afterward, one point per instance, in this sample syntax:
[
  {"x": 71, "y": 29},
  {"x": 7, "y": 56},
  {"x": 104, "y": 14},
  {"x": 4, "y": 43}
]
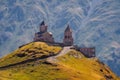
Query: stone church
[
  {"x": 45, "y": 36},
  {"x": 68, "y": 39}
]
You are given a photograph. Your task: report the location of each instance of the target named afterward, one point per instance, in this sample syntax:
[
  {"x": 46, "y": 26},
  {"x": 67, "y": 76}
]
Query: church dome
[{"x": 50, "y": 33}]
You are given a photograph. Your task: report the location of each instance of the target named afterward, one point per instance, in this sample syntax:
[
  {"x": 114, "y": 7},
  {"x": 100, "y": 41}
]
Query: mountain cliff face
[
  {"x": 41, "y": 61},
  {"x": 94, "y": 23}
]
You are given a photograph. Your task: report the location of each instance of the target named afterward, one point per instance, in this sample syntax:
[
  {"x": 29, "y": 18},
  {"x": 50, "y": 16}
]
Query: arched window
[{"x": 65, "y": 36}]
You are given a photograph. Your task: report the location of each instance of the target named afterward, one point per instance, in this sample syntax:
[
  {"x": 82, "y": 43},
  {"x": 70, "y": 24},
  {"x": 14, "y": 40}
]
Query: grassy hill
[{"x": 30, "y": 63}]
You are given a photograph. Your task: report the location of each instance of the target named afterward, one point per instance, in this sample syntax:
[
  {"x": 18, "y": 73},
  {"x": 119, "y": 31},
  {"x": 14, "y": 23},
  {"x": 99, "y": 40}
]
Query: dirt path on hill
[
  {"x": 64, "y": 51},
  {"x": 23, "y": 62},
  {"x": 51, "y": 58}
]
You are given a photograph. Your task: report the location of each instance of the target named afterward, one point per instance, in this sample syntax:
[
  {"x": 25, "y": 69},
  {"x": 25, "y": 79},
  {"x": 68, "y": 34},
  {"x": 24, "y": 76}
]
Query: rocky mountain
[
  {"x": 41, "y": 61},
  {"x": 94, "y": 23}
]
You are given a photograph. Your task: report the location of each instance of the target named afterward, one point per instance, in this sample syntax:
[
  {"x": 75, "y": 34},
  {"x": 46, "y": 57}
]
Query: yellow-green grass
[
  {"x": 89, "y": 68},
  {"x": 31, "y": 50},
  {"x": 71, "y": 66},
  {"x": 36, "y": 71}
]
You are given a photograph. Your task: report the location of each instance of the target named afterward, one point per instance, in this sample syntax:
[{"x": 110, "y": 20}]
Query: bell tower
[
  {"x": 68, "y": 39},
  {"x": 43, "y": 27}
]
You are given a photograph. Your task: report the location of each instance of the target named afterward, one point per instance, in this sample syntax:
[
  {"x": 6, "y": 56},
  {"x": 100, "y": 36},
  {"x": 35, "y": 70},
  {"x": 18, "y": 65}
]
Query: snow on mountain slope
[{"x": 94, "y": 23}]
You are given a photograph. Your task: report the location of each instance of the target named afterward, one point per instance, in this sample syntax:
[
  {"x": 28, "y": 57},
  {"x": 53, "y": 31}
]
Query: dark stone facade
[
  {"x": 44, "y": 35},
  {"x": 86, "y": 51},
  {"x": 68, "y": 39}
]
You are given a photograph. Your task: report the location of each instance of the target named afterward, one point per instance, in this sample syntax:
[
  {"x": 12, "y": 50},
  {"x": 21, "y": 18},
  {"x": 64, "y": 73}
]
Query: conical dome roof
[
  {"x": 42, "y": 23},
  {"x": 68, "y": 28}
]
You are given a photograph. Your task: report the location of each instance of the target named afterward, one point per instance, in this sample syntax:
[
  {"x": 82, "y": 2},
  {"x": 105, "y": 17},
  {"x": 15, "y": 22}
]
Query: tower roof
[
  {"x": 68, "y": 28},
  {"x": 42, "y": 23}
]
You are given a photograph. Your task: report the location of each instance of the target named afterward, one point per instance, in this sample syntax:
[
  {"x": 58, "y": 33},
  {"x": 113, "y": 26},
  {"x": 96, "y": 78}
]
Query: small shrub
[
  {"x": 101, "y": 70},
  {"x": 21, "y": 55},
  {"x": 32, "y": 71}
]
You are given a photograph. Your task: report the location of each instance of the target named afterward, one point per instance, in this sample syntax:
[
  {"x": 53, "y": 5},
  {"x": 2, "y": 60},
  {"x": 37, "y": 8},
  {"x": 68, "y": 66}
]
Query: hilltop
[
  {"x": 42, "y": 61},
  {"x": 93, "y": 21}
]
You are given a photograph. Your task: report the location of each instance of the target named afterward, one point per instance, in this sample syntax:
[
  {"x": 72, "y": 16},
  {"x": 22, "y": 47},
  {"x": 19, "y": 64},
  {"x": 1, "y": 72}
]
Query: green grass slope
[
  {"x": 86, "y": 68},
  {"x": 71, "y": 66},
  {"x": 30, "y": 51}
]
